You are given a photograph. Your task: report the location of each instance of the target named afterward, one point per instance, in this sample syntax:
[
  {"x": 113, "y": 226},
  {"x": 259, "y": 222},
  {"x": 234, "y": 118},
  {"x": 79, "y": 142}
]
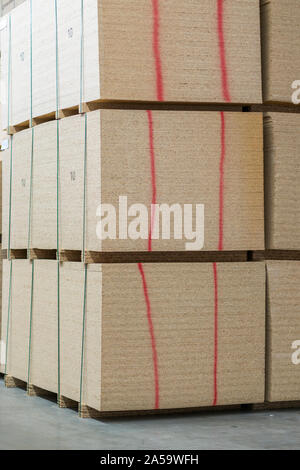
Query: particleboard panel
[
  {"x": 94, "y": 179},
  {"x": 188, "y": 152},
  {"x": 134, "y": 51},
  {"x": 70, "y": 65},
  {"x": 281, "y": 40},
  {"x": 43, "y": 58},
  {"x": 283, "y": 330},
  {"x": 44, "y": 352},
  {"x": 188, "y": 38},
  {"x": 182, "y": 310},
  {"x": 187, "y": 149},
  {"x": 20, "y": 191},
  {"x": 72, "y": 143},
  {"x": 16, "y": 77},
  {"x": 19, "y": 318},
  {"x": 44, "y": 194},
  {"x": 72, "y": 328},
  {"x": 282, "y": 175},
  {"x": 43, "y": 213},
  {"x": 194, "y": 179}
]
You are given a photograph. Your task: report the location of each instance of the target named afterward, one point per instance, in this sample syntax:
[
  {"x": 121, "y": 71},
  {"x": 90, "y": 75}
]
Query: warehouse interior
[{"x": 150, "y": 225}]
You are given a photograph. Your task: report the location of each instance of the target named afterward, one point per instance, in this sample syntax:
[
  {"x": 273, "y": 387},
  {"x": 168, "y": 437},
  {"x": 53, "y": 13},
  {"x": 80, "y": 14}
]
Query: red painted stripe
[
  {"x": 215, "y": 268},
  {"x": 153, "y": 177},
  {"x": 221, "y": 247},
  {"x": 224, "y": 72},
  {"x": 221, "y": 190},
  {"x": 152, "y": 335},
  {"x": 156, "y": 51}
]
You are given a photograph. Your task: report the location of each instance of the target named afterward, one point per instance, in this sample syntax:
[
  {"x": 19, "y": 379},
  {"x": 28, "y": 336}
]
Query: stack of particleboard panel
[
  {"x": 195, "y": 325},
  {"x": 283, "y": 332},
  {"x": 167, "y": 352},
  {"x": 138, "y": 50},
  {"x": 281, "y": 42},
  {"x": 282, "y": 143},
  {"x": 106, "y": 155}
]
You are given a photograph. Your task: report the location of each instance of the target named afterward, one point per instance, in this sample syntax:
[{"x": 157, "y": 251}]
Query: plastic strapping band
[
  {"x": 8, "y": 317},
  {"x": 31, "y": 67},
  {"x": 9, "y": 74},
  {"x": 57, "y": 188},
  {"x": 84, "y": 188},
  {"x": 58, "y": 329},
  {"x": 83, "y": 335},
  {"x": 30, "y": 322},
  {"x": 31, "y": 190},
  {"x": 57, "y": 72},
  {"x": 58, "y": 256},
  {"x": 81, "y": 57},
  {"x": 10, "y": 196}
]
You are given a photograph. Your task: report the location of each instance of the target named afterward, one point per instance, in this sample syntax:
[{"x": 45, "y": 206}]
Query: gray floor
[{"x": 35, "y": 423}]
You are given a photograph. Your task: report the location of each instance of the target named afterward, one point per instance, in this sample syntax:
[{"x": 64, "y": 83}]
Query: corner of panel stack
[{"x": 133, "y": 203}]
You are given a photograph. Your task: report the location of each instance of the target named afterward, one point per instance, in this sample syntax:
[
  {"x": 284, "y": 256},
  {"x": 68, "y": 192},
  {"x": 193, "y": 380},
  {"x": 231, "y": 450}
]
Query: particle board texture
[
  {"x": 283, "y": 331},
  {"x": 280, "y": 40},
  {"x": 150, "y": 333},
  {"x": 282, "y": 173},
  {"x": 138, "y": 50},
  {"x": 187, "y": 158}
]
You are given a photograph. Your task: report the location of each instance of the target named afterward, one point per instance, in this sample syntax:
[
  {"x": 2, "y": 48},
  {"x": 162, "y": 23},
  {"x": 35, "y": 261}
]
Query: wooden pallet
[
  {"x": 170, "y": 257},
  {"x": 92, "y": 257},
  {"x": 34, "y": 391},
  {"x": 267, "y": 406},
  {"x": 280, "y": 255},
  {"x": 167, "y": 106},
  {"x": 32, "y": 254},
  {"x": 87, "y": 412}
]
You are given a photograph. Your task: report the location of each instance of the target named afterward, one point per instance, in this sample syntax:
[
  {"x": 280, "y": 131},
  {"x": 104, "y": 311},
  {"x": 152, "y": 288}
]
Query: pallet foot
[
  {"x": 33, "y": 391},
  {"x": 35, "y": 254},
  {"x": 44, "y": 118},
  {"x": 63, "y": 113},
  {"x": 85, "y": 412},
  {"x": 12, "y": 382},
  {"x": 70, "y": 256},
  {"x": 64, "y": 402},
  {"x": 11, "y": 130}
]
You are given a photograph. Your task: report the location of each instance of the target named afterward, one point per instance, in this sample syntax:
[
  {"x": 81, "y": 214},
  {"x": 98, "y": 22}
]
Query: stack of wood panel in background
[
  {"x": 280, "y": 39},
  {"x": 144, "y": 99}
]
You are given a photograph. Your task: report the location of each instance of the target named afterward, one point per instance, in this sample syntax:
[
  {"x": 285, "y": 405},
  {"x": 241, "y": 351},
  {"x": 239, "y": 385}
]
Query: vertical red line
[
  {"x": 156, "y": 51},
  {"x": 141, "y": 268},
  {"x": 224, "y": 72},
  {"x": 153, "y": 177},
  {"x": 221, "y": 189},
  {"x": 152, "y": 335},
  {"x": 216, "y": 338},
  {"x": 221, "y": 246}
]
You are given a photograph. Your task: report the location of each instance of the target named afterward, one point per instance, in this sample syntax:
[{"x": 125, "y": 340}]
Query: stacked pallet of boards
[{"x": 112, "y": 109}]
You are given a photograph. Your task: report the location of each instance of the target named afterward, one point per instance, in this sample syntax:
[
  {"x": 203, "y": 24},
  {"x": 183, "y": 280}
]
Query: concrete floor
[{"x": 35, "y": 423}]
